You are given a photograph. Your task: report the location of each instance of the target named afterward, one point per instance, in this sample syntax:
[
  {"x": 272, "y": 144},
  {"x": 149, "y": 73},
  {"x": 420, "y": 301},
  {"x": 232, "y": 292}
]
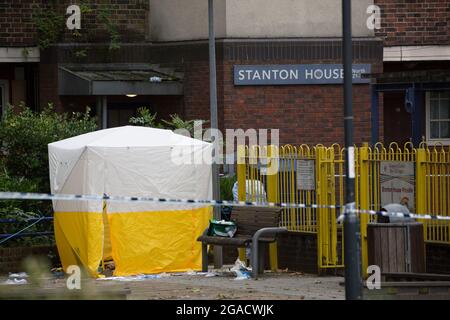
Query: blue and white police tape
[
  {"x": 396, "y": 215},
  {"x": 285, "y": 205},
  {"x": 77, "y": 197}
]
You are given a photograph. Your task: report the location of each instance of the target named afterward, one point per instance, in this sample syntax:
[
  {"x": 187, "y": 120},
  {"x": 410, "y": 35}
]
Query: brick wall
[
  {"x": 304, "y": 114},
  {"x": 196, "y": 90},
  {"x": 438, "y": 258},
  {"x": 414, "y": 22},
  {"x": 48, "y": 86},
  {"x": 11, "y": 258},
  {"x": 298, "y": 252},
  {"x": 17, "y": 20},
  {"x": 309, "y": 114}
]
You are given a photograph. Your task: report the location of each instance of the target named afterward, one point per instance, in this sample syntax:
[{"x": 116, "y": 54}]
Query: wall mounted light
[{"x": 131, "y": 95}]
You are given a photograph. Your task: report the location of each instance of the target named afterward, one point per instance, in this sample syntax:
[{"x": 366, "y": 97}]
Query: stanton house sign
[{"x": 245, "y": 75}]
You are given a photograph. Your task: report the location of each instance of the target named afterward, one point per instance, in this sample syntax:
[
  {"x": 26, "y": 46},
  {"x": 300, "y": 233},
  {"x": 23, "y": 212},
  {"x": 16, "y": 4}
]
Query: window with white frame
[{"x": 438, "y": 116}]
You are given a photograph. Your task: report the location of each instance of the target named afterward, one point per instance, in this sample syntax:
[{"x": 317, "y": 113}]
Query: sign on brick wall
[{"x": 296, "y": 74}]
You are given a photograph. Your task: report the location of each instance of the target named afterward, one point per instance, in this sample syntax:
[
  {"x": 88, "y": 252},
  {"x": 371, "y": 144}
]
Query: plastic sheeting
[{"x": 131, "y": 161}]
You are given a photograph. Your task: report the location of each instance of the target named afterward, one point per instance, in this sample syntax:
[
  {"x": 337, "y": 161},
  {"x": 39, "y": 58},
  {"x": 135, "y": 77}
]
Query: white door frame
[{"x": 430, "y": 141}]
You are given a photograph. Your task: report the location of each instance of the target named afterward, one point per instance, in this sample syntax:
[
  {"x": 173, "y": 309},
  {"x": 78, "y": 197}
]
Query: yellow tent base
[{"x": 139, "y": 242}]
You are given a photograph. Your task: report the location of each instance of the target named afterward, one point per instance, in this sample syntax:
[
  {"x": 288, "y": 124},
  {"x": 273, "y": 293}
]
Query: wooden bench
[{"x": 254, "y": 225}]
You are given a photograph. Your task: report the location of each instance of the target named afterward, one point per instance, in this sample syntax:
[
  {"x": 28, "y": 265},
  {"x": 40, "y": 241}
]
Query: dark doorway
[
  {"x": 397, "y": 121},
  {"x": 121, "y": 109}
]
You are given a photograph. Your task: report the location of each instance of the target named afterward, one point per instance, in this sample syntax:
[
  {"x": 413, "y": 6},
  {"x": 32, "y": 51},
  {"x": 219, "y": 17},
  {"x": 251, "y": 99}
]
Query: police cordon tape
[
  {"x": 284, "y": 205},
  {"x": 77, "y": 197},
  {"x": 396, "y": 215}
]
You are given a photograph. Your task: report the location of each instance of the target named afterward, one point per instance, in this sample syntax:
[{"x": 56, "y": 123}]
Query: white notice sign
[
  {"x": 397, "y": 183},
  {"x": 306, "y": 179}
]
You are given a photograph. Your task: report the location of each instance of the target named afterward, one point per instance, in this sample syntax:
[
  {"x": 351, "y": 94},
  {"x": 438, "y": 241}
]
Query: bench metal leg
[
  {"x": 255, "y": 246},
  {"x": 261, "y": 257},
  {"x": 204, "y": 257}
]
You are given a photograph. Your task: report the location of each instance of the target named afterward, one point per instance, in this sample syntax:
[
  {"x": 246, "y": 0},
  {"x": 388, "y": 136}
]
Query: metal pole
[
  {"x": 99, "y": 112},
  {"x": 214, "y": 121},
  {"x": 352, "y": 253},
  {"x": 104, "y": 112}
]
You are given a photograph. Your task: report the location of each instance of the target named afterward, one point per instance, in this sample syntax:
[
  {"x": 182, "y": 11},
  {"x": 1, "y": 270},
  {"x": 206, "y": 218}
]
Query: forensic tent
[{"x": 141, "y": 237}]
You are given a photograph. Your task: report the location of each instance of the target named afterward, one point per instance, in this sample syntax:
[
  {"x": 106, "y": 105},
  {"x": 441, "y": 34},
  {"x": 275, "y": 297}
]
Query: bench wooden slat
[{"x": 248, "y": 221}]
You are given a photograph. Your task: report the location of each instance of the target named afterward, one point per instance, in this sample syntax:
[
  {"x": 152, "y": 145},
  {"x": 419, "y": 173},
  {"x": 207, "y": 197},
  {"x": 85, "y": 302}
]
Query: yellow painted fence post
[
  {"x": 421, "y": 194},
  {"x": 321, "y": 218},
  {"x": 241, "y": 177},
  {"x": 272, "y": 196},
  {"x": 364, "y": 203}
]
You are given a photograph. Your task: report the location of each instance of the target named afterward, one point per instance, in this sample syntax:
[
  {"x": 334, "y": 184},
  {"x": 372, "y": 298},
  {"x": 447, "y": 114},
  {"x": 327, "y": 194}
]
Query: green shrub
[
  {"x": 50, "y": 27},
  {"x": 22, "y": 211},
  {"x": 21, "y": 221},
  {"x": 146, "y": 118},
  {"x": 177, "y": 123},
  {"x": 226, "y": 187},
  {"x": 18, "y": 184},
  {"x": 24, "y": 137}
]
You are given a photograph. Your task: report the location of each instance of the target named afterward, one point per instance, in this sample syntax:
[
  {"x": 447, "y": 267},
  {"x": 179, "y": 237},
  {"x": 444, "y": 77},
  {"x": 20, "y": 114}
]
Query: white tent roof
[
  {"x": 127, "y": 136},
  {"x": 130, "y": 161}
]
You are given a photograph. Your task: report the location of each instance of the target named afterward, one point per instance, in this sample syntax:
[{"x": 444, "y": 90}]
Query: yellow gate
[
  {"x": 319, "y": 186},
  {"x": 431, "y": 182},
  {"x": 433, "y": 191},
  {"x": 368, "y": 195}
]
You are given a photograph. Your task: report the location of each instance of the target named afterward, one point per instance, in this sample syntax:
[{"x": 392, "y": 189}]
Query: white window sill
[{"x": 438, "y": 142}]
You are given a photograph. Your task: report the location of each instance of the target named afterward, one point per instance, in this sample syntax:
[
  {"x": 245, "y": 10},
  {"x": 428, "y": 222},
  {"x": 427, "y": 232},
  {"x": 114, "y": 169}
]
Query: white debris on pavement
[
  {"x": 211, "y": 274},
  {"x": 132, "y": 278},
  {"x": 18, "y": 275},
  {"x": 16, "y": 279},
  {"x": 242, "y": 272}
]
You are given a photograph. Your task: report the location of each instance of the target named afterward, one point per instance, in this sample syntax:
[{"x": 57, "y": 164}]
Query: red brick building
[
  {"x": 416, "y": 36},
  {"x": 160, "y": 38}
]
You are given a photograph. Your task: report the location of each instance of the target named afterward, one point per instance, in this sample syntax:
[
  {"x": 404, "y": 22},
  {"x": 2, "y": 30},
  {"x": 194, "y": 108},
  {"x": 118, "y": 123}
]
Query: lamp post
[
  {"x": 352, "y": 252},
  {"x": 218, "y": 262}
]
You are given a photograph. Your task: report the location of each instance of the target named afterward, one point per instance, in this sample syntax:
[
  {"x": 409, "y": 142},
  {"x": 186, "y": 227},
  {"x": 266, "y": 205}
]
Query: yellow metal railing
[
  {"x": 434, "y": 191},
  {"x": 369, "y": 184},
  {"x": 325, "y": 167},
  {"x": 325, "y": 187},
  {"x": 295, "y": 219}
]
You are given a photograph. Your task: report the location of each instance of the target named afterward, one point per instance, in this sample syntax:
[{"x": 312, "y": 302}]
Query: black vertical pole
[
  {"x": 214, "y": 121},
  {"x": 375, "y": 113},
  {"x": 351, "y": 223}
]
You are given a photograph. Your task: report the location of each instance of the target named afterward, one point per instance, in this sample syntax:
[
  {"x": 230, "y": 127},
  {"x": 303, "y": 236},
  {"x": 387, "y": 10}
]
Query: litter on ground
[
  {"x": 15, "y": 281},
  {"x": 242, "y": 272}
]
